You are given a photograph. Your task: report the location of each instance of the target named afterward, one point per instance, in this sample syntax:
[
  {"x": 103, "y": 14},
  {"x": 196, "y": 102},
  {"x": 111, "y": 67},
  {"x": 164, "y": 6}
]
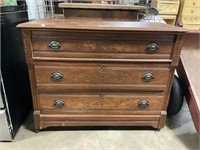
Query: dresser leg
[
  {"x": 162, "y": 119},
  {"x": 37, "y": 120}
]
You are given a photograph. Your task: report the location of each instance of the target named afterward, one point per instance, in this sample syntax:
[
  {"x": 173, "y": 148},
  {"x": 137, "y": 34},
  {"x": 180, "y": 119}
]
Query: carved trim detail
[
  {"x": 178, "y": 45},
  {"x": 27, "y": 43},
  {"x": 177, "y": 49}
]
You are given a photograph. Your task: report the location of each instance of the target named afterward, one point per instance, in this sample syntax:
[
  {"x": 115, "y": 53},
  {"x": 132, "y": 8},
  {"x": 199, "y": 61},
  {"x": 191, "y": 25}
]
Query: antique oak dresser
[{"x": 100, "y": 73}]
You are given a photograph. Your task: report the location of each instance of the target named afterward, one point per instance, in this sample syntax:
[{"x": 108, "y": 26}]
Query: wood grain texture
[
  {"x": 85, "y": 25},
  {"x": 177, "y": 49},
  {"x": 189, "y": 74},
  {"x": 102, "y": 101},
  {"x": 27, "y": 45},
  {"x": 100, "y": 6},
  {"x": 100, "y": 15},
  {"x": 162, "y": 119},
  {"x": 101, "y": 73},
  {"x": 102, "y": 45},
  {"x": 101, "y": 65}
]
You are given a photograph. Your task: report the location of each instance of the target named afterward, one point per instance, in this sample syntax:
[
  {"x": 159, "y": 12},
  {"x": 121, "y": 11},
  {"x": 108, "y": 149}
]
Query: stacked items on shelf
[
  {"x": 168, "y": 9},
  {"x": 190, "y": 14}
]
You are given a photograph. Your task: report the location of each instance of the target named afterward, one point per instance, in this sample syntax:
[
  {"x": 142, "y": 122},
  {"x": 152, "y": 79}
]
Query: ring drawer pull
[
  {"x": 58, "y": 103},
  {"x": 57, "y": 76},
  {"x": 148, "y": 76},
  {"x": 143, "y": 104},
  {"x": 54, "y": 45},
  {"x": 152, "y": 48}
]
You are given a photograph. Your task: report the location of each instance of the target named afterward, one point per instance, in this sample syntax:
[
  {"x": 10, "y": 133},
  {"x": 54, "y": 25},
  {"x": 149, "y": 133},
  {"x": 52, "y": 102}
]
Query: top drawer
[
  {"x": 68, "y": 44},
  {"x": 192, "y": 3}
]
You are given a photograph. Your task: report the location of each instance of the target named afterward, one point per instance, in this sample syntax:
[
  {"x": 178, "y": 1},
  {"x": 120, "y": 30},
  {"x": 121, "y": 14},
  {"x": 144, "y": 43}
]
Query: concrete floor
[{"x": 178, "y": 134}]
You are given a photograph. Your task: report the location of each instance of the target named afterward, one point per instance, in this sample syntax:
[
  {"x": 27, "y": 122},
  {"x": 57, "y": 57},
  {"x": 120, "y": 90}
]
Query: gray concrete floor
[{"x": 178, "y": 134}]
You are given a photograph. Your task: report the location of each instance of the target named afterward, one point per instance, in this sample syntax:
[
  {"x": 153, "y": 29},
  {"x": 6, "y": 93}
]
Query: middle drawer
[{"x": 101, "y": 75}]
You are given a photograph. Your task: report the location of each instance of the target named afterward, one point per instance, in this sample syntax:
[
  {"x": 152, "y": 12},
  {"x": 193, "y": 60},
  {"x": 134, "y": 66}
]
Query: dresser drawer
[
  {"x": 190, "y": 10},
  {"x": 98, "y": 45},
  {"x": 192, "y": 26},
  {"x": 102, "y": 101},
  {"x": 192, "y": 3},
  {"x": 109, "y": 75},
  {"x": 190, "y": 19}
]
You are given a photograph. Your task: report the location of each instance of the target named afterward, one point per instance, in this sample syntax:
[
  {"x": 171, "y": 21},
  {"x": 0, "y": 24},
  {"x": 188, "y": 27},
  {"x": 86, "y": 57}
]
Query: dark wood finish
[
  {"x": 111, "y": 26},
  {"x": 100, "y": 12},
  {"x": 104, "y": 15},
  {"x": 189, "y": 74},
  {"x": 100, "y": 73},
  {"x": 100, "y": 6},
  {"x": 102, "y": 45},
  {"x": 102, "y": 100}
]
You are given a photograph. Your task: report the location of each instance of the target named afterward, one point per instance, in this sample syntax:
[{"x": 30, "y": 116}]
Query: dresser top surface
[
  {"x": 99, "y": 25},
  {"x": 100, "y": 6}
]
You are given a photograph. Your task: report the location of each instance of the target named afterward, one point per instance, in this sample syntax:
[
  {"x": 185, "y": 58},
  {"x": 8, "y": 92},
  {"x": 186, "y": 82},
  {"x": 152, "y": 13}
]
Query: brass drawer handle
[
  {"x": 143, "y": 104},
  {"x": 58, "y": 103},
  {"x": 148, "y": 76},
  {"x": 57, "y": 76},
  {"x": 152, "y": 48},
  {"x": 54, "y": 45}
]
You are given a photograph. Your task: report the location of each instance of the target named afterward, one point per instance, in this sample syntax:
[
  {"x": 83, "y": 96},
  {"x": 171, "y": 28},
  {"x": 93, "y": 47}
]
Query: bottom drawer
[
  {"x": 102, "y": 101},
  {"x": 44, "y": 119}
]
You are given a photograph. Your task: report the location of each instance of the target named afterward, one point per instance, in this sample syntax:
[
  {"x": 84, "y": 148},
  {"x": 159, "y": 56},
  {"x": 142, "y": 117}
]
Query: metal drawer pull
[
  {"x": 56, "y": 76},
  {"x": 54, "y": 45},
  {"x": 143, "y": 104},
  {"x": 152, "y": 48},
  {"x": 58, "y": 103},
  {"x": 148, "y": 76}
]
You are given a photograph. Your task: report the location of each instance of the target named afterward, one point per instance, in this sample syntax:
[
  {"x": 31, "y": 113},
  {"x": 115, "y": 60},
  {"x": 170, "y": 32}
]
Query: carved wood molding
[
  {"x": 177, "y": 49},
  {"x": 27, "y": 44}
]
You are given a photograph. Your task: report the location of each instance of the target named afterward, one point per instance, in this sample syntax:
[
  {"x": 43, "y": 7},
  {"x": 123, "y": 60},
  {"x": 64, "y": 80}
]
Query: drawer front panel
[
  {"x": 190, "y": 19},
  {"x": 101, "y": 45},
  {"x": 192, "y": 3},
  {"x": 101, "y": 74},
  {"x": 100, "y": 101},
  {"x": 191, "y": 10},
  {"x": 192, "y": 26},
  {"x": 168, "y": 8}
]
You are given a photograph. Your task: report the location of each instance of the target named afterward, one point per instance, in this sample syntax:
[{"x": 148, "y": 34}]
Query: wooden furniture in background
[
  {"x": 189, "y": 14},
  {"x": 168, "y": 9},
  {"x": 104, "y": 12}
]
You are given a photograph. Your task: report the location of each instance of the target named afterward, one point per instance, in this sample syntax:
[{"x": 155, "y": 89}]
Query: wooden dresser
[{"x": 100, "y": 73}]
